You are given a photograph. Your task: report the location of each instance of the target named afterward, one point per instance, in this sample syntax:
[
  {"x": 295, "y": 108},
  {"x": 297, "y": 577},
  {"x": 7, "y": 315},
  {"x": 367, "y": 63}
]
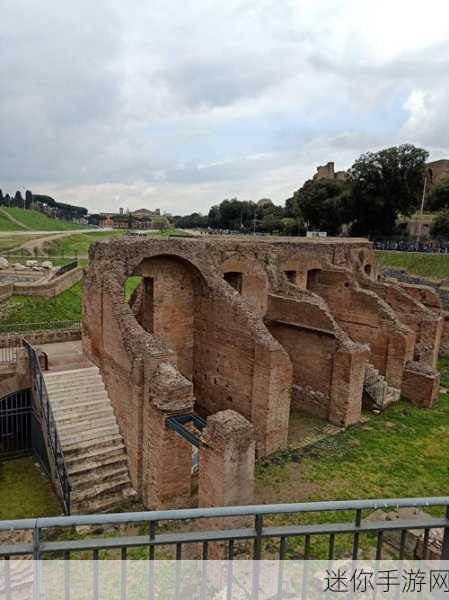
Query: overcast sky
[{"x": 180, "y": 104}]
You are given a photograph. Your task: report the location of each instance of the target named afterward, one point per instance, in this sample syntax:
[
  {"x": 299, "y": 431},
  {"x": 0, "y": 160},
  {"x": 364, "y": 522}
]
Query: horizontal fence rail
[
  {"x": 264, "y": 531},
  {"x": 40, "y": 326},
  {"x": 64, "y": 269}
]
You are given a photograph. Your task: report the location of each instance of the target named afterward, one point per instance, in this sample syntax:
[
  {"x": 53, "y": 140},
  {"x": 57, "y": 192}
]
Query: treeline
[
  {"x": 381, "y": 189},
  {"x": 43, "y": 203}
]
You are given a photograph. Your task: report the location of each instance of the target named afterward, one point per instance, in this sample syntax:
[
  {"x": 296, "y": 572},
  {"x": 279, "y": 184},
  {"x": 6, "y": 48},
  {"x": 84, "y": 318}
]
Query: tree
[
  {"x": 440, "y": 227},
  {"x": 386, "y": 184},
  {"x": 439, "y": 197},
  {"x": 289, "y": 226},
  {"x": 322, "y": 204},
  {"x": 160, "y": 222}
]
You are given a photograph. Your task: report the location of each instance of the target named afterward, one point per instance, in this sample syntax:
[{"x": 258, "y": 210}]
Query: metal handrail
[
  {"x": 224, "y": 511},
  {"x": 65, "y": 269},
  {"x": 153, "y": 538},
  {"x": 47, "y": 421}
]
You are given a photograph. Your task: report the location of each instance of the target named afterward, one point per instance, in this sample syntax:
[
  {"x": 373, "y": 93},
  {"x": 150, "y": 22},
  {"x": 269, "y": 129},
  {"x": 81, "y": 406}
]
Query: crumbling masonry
[{"x": 243, "y": 331}]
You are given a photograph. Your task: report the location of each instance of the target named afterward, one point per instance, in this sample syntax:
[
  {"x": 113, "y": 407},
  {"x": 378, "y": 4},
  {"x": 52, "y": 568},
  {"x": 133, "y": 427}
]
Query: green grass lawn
[
  {"x": 33, "y": 309},
  {"x": 65, "y": 307},
  {"x": 8, "y": 225},
  {"x": 418, "y": 263},
  {"x": 35, "y": 220},
  {"x": 401, "y": 453},
  {"x": 78, "y": 243},
  {"x": 25, "y": 492}
]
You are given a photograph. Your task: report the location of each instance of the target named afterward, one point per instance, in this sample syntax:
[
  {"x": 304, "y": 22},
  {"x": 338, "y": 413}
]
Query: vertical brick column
[
  {"x": 226, "y": 471},
  {"x": 227, "y": 461},
  {"x": 167, "y": 457}
]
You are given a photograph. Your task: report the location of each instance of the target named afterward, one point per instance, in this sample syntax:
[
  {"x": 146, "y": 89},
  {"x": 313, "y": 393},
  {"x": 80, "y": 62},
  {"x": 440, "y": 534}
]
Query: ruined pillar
[
  {"x": 167, "y": 457},
  {"x": 348, "y": 374},
  {"x": 227, "y": 461},
  {"x": 226, "y": 471}
]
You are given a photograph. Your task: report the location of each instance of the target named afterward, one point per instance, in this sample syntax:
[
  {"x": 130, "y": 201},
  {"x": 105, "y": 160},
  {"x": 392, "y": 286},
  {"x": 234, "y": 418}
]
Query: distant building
[
  {"x": 327, "y": 171},
  {"x": 437, "y": 171},
  {"x": 139, "y": 219}
]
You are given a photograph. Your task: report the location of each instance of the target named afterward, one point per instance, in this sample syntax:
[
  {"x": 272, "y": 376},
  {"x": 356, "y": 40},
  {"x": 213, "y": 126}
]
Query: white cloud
[{"x": 179, "y": 105}]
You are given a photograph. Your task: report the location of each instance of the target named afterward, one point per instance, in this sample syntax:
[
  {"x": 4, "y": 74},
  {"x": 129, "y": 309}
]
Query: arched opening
[
  {"x": 162, "y": 293},
  {"x": 234, "y": 278},
  {"x": 313, "y": 279},
  {"x": 368, "y": 270}
]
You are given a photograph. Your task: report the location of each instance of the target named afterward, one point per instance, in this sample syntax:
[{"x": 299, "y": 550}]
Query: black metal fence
[
  {"x": 39, "y": 326},
  {"x": 8, "y": 352},
  {"x": 268, "y": 531},
  {"x": 65, "y": 269},
  {"x": 43, "y": 410},
  {"x": 15, "y": 424}
]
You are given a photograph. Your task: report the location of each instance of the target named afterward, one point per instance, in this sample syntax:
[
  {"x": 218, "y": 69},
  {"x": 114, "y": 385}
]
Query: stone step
[
  {"x": 61, "y": 384},
  {"x": 84, "y": 466},
  {"x": 106, "y": 503},
  {"x": 83, "y": 384},
  {"x": 70, "y": 439},
  {"x": 98, "y": 402},
  {"x": 79, "y": 462},
  {"x": 71, "y": 375},
  {"x": 76, "y": 449},
  {"x": 100, "y": 476},
  {"x": 63, "y": 398},
  {"x": 101, "y": 488},
  {"x": 74, "y": 372},
  {"x": 85, "y": 424},
  {"x": 76, "y": 417}
]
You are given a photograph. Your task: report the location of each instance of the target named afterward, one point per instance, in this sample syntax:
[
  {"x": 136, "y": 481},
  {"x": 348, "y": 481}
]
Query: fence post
[{"x": 445, "y": 549}]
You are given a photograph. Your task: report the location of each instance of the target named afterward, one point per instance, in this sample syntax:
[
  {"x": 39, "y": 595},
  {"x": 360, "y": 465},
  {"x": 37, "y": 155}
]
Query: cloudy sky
[{"x": 180, "y": 104}]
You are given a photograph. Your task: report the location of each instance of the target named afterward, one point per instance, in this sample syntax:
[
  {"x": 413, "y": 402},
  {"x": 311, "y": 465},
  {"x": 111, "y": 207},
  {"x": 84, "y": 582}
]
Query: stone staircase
[
  {"x": 94, "y": 451},
  {"x": 375, "y": 386}
]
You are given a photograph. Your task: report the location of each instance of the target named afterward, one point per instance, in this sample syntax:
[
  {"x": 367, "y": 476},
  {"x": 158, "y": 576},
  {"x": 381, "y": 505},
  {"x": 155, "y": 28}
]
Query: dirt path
[
  {"x": 14, "y": 220},
  {"x": 34, "y": 246}
]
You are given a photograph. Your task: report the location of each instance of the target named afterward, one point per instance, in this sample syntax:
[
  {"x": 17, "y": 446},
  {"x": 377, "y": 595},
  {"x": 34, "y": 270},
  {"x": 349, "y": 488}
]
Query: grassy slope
[
  {"x": 35, "y": 220},
  {"x": 425, "y": 265},
  {"x": 8, "y": 225},
  {"x": 65, "y": 307},
  {"x": 78, "y": 243},
  {"x": 33, "y": 309},
  {"x": 25, "y": 492}
]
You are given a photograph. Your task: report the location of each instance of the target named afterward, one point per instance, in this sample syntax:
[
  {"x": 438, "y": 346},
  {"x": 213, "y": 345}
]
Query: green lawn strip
[
  {"x": 78, "y": 243},
  {"x": 8, "y": 225},
  {"x": 39, "y": 221},
  {"x": 25, "y": 492},
  {"x": 418, "y": 263},
  {"x": 34, "y": 309},
  {"x": 402, "y": 453}
]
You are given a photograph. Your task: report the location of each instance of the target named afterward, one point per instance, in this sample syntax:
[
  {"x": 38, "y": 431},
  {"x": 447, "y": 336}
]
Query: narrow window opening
[
  {"x": 234, "y": 279},
  {"x": 291, "y": 276}
]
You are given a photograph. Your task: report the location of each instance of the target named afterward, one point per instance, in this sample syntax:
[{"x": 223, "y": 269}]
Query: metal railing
[
  {"x": 41, "y": 326},
  {"x": 267, "y": 537},
  {"x": 8, "y": 352},
  {"x": 65, "y": 269},
  {"x": 15, "y": 424},
  {"x": 44, "y": 411}
]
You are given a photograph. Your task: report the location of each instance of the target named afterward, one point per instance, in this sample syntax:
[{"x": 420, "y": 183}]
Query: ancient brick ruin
[{"x": 242, "y": 331}]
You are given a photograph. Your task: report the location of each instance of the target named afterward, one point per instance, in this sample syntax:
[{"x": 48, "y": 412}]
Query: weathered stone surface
[
  {"x": 4, "y": 264},
  {"x": 259, "y": 327}
]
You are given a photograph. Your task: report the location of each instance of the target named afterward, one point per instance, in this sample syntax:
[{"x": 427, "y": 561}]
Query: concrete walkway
[{"x": 65, "y": 356}]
